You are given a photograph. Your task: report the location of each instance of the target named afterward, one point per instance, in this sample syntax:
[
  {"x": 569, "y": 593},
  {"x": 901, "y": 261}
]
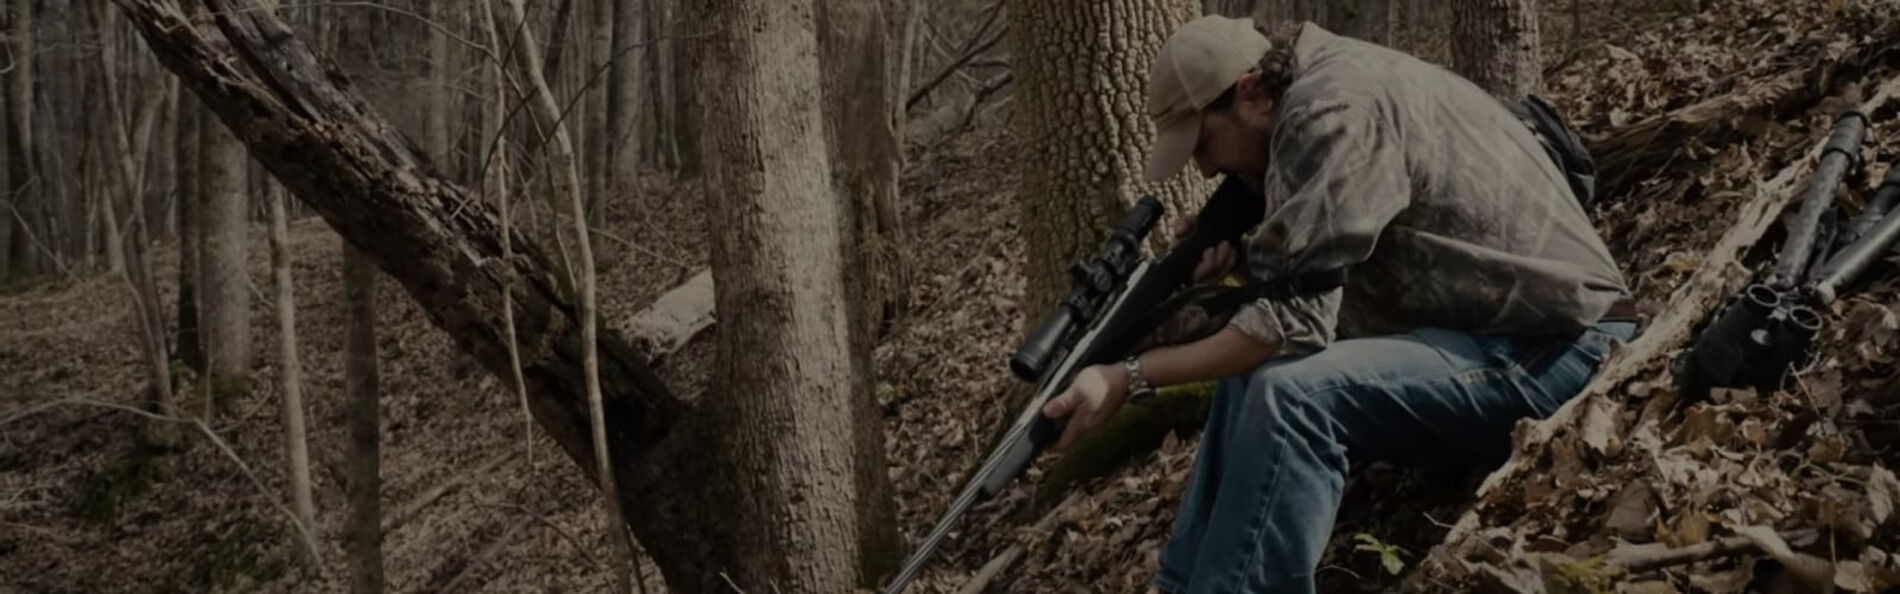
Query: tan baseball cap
[{"x": 1196, "y": 65}]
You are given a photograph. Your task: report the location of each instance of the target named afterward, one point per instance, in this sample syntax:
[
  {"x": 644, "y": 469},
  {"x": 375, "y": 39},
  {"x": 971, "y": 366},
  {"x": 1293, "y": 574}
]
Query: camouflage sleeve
[
  {"x": 1338, "y": 178},
  {"x": 1300, "y": 325}
]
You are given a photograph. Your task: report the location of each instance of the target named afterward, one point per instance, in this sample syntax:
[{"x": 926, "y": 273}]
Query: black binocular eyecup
[{"x": 1752, "y": 343}]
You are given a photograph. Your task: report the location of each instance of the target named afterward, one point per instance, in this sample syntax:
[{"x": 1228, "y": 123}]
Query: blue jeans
[{"x": 1259, "y": 507}]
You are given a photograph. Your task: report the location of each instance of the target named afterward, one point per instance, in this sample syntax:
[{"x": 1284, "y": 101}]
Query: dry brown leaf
[
  {"x": 1882, "y": 486},
  {"x": 1629, "y": 517},
  {"x": 1852, "y": 576},
  {"x": 1602, "y": 426}
]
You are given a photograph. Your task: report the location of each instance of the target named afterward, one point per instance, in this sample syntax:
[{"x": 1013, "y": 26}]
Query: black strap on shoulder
[
  {"x": 1563, "y": 146},
  {"x": 1282, "y": 288}
]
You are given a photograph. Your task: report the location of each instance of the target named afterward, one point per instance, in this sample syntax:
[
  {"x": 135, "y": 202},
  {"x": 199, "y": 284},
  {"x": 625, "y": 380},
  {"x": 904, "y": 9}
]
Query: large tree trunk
[
  {"x": 623, "y": 100},
  {"x": 657, "y": 126},
  {"x": 494, "y": 143},
  {"x": 1370, "y": 20},
  {"x": 1494, "y": 43},
  {"x": 441, "y": 92},
  {"x": 7, "y": 231},
  {"x": 290, "y": 372},
  {"x": 162, "y": 167},
  {"x": 853, "y": 40},
  {"x": 684, "y": 126},
  {"x": 363, "y": 539},
  {"x": 22, "y": 178},
  {"x": 1232, "y": 8},
  {"x": 189, "y": 211},
  {"x": 598, "y": 137},
  {"x": 226, "y": 280},
  {"x": 1079, "y": 68},
  {"x": 795, "y": 394}
]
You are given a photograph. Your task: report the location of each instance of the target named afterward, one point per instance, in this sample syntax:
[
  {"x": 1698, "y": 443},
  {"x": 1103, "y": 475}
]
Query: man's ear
[
  {"x": 1248, "y": 85},
  {"x": 1250, "y": 91}
]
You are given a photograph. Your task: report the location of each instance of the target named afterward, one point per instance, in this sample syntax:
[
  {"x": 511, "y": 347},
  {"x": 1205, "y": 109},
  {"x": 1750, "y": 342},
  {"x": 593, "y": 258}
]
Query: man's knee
[{"x": 1288, "y": 394}]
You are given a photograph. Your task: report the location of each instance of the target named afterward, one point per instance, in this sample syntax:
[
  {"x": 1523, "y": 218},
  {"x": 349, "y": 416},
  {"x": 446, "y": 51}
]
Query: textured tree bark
[
  {"x": 597, "y": 136},
  {"x": 1370, "y": 20},
  {"x": 190, "y": 213},
  {"x": 681, "y": 95},
  {"x": 7, "y": 232},
  {"x": 363, "y": 538},
  {"x": 623, "y": 100},
  {"x": 1494, "y": 43},
  {"x": 1232, "y": 8},
  {"x": 493, "y": 148},
  {"x": 290, "y": 373},
  {"x": 795, "y": 388},
  {"x": 863, "y": 147},
  {"x": 1081, "y": 70},
  {"x": 1363, "y": 19},
  {"x": 656, "y": 123},
  {"x": 226, "y": 280},
  {"x": 163, "y": 166},
  {"x": 441, "y": 93},
  {"x": 908, "y": 17},
  {"x": 22, "y": 178}
]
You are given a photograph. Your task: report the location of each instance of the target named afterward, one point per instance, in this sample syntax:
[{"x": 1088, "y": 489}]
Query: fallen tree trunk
[
  {"x": 1720, "y": 276},
  {"x": 311, "y": 129},
  {"x": 674, "y": 319},
  {"x": 1630, "y": 154}
]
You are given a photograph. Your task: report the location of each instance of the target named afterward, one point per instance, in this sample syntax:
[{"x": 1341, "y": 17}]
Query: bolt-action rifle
[
  {"x": 1116, "y": 299},
  {"x": 1770, "y": 327}
]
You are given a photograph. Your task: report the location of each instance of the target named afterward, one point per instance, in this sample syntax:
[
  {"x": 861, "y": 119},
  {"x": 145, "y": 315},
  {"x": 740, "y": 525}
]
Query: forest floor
[{"x": 469, "y": 507}]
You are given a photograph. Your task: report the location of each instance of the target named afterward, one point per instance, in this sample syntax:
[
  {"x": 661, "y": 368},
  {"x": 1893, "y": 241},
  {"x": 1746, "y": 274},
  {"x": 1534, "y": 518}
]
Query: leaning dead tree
[{"x": 303, "y": 120}]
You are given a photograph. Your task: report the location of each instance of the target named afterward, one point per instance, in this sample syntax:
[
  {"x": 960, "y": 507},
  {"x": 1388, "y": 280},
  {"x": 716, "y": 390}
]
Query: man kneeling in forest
[{"x": 1478, "y": 292}]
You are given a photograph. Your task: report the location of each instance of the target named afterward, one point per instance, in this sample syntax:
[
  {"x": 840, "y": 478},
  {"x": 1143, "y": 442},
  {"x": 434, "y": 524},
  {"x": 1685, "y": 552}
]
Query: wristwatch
[{"x": 1139, "y": 390}]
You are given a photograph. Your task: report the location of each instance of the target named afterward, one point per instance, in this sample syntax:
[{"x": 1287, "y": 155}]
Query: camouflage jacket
[{"x": 1439, "y": 201}]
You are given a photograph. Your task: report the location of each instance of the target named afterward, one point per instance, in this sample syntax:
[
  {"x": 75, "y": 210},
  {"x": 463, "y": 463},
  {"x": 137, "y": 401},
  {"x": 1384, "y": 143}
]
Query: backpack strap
[{"x": 1562, "y": 144}]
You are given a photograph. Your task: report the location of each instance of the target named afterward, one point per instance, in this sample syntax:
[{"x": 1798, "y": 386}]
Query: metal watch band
[{"x": 1139, "y": 390}]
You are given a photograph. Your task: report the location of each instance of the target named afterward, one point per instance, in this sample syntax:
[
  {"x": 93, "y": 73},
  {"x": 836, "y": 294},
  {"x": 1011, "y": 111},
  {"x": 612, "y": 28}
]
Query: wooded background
[{"x": 505, "y": 229}]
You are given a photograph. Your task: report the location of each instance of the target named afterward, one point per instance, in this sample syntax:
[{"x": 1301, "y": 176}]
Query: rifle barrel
[
  {"x": 1856, "y": 257},
  {"x": 1877, "y": 207},
  {"x": 1841, "y": 151}
]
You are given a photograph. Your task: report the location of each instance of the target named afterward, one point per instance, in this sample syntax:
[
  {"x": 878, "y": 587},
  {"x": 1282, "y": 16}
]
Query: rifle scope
[{"x": 1091, "y": 281}]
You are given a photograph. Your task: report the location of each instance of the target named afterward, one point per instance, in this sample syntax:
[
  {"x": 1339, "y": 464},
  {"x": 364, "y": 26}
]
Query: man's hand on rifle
[
  {"x": 1089, "y": 401},
  {"x": 1216, "y": 262}
]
